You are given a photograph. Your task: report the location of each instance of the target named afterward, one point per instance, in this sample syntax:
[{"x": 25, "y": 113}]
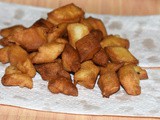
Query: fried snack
[
  {"x": 10, "y": 30},
  {"x": 85, "y": 22},
  {"x": 141, "y": 72},
  {"x": 89, "y": 45},
  {"x": 108, "y": 83},
  {"x": 30, "y": 39},
  {"x": 87, "y": 74},
  {"x": 4, "y": 55},
  {"x": 96, "y": 24},
  {"x": 114, "y": 40},
  {"x": 70, "y": 59},
  {"x": 4, "y": 42},
  {"x": 100, "y": 58},
  {"x": 62, "y": 85},
  {"x": 14, "y": 77},
  {"x": 19, "y": 58},
  {"x": 56, "y": 32},
  {"x": 43, "y": 23},
  {"x": 48, "y": 52},
  {"x": 129, "y": 79},
  {"x": 66, "y": 14},
  {"x": 76, "y": 31},
  {"x": 120, "y": 55},
  {"x": 49, "y": 71}
]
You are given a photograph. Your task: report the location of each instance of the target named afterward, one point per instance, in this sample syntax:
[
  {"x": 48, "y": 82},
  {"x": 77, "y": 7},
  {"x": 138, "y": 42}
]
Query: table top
[{"x": 116, "y": 7}]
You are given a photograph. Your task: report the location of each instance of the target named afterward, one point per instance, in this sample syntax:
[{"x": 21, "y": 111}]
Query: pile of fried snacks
[{"x": 68, "y": 43}]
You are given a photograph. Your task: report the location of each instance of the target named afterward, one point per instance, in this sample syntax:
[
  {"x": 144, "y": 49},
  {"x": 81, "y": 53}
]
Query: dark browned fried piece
[
  {"x": 70, "y": 59},
  {"x": 4, "y": 55},
  {"x": 30, "y": 39},
  {"x": 129, "y": 79},
  {"x": 66, "y": 14},
  {"x": 89, "y": 45},
  {"x": 108, "y": 81},
  {"x": 43, "y": 23},
  {"x": 62, "y": 85},
  {"x": 49, "y": 71},
  {"x": 4, "y": 42},
  {"x": 100, "y": 58}
]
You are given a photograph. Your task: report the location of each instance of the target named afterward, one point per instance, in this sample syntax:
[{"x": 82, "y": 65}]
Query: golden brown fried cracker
[
  {"x": 68, "y": 13},
  {"x": 87, "y": 74}
]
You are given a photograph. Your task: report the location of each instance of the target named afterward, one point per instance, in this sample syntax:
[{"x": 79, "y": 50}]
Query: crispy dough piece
[
  {"x": 70, "y": 59},
  {"x": 129, "y": 79},
  {"x": 62, "y": 85},
  {"x": 87, "y": 75},
  {"x": 10, "y": 30},
  {"x": 114, "y": 40},
  {"x": 56, "y": 32},
  {"x": 30, "y": 39},
  {"x": 120, "y": 55},
  {"x": 14, "y": 77},
  {"x": 97, "y": 24},
  {"x": 85, "y": 22},
  {"x": 49, "y": 71},
  {"x": 4, "y": 55},
  {"x": 48, "y": 52},
  {"x": 141, "y": 72},
  {"x": 19, "y": 58},
  {"x": 68, "y": 13},
  {"x": 4, "y": 42},
  {"x": 108, "y": 83},
  {"x": 110, "y": 67},
  {"x": 76, "y": 31},
  {"x": 100, "y": 58},
  {"x": 43, "y": 23},
  {"x": 89, "y": 45}
]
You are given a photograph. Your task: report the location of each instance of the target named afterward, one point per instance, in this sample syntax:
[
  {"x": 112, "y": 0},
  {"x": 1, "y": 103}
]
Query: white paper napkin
[{"x": 143, "y": 33}]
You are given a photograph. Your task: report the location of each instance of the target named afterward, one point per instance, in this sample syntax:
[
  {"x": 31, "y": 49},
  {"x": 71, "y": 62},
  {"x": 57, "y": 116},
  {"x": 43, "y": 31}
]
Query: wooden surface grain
[{"x": 116, "y": 7}]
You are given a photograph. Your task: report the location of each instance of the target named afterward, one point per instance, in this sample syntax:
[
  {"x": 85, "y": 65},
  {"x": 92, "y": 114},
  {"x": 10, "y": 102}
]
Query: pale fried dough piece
[
  {"x": 19, "y": 58},
  {"x": 114, "y": 40},
  {"x": 129, "y": 79},
  {"x": 87, "y": 74},
  {"x": 120, "y": 55},
  {"x": 97, "y": 24},
  {"x": 62, "y": 85},
  {"x": 43, "y": 23},
  {"x": 76, "y": 31},
  {"x": 141, "y": 72},
  {"x": 108, "y": 83},
  {"x": 48, "y": 52},
  {"x": 70, "y": 59},
  {"x": 10, "y": 30},
  {"x": 68, "y": 13},
  {"x": 14, "y": 77},
  {"x": 30, "y": 39},
  {"x": 100, "y": 58},
  {"x": 4, "y": 55},
  {"x": 56, "y": 32},
  {"x": 89, "y": 45},
  {"x": 49, "y": 71}
]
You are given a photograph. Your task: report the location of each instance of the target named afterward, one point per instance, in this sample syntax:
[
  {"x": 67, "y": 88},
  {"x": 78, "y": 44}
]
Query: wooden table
[{"x": 116, "y": 7}]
